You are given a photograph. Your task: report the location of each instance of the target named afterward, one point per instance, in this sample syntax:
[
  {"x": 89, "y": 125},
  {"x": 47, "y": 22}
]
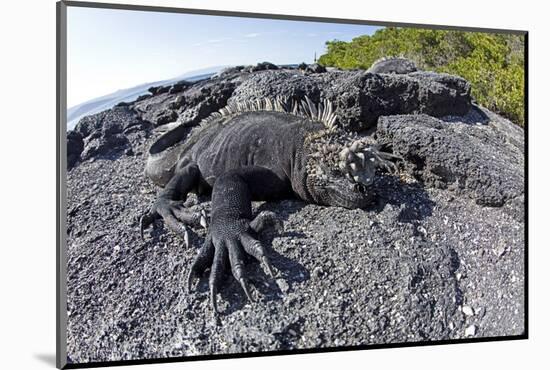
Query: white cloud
[{"x": 254, "y": 34}]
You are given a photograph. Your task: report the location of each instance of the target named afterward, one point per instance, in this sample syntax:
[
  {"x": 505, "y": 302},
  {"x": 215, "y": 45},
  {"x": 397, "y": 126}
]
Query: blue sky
[{"x": 109, "y": 49}]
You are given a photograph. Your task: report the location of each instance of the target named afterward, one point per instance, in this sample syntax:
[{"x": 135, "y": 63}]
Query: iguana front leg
[
  {"x": 169, "y": 203},
  {"x": 232, "y": 229}
]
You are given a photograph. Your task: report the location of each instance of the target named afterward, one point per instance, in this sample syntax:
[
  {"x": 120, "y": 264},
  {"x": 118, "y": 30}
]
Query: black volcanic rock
[
  {"x": 143, "y": 97},
  {"x": 263, "y": 66},
  {"x": 165, "y": 117},
  {"x": 111, "y": 121},
  {"x": 361, "y": 98},
  {"x": 177, "y": 102},
  {"x": 75, "y": 146},
  {"x": 122, "y": 104},
  {"x": 105, "y": 133},
  {"x": 155, "y": 90},
  {"x": 104, "y": 145},
  {"x": 179, "y": 87},
  {"x": 291, "y": 84},
  {"x": 442, "y": 94},
  {"x": 477, "y": 160}
]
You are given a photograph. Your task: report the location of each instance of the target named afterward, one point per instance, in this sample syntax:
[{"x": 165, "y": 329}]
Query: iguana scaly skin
[
  {"x": 261, "y": 150},
  {"x": 396, "y": 65}
]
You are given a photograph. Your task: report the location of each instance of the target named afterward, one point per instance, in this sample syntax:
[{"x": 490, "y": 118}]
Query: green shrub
[{"x": 492, "y": 63}]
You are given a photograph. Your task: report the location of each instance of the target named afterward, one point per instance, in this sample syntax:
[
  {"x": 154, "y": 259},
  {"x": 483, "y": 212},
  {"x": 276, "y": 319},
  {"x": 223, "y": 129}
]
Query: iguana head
[{"x": 341, "y": 170}]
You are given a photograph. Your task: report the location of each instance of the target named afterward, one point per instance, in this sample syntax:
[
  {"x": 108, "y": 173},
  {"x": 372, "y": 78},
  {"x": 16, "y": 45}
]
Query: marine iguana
[
  {"x": 260, "y": 150},
  {"x": 396, "y": 65}
]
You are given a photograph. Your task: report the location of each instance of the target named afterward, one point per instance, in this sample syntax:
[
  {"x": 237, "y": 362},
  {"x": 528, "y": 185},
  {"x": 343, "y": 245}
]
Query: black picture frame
[{"x": 61, "y": 175}]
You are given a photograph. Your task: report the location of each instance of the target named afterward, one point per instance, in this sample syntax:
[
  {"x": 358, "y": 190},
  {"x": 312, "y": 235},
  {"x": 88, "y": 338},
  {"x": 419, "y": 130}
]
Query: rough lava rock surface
[{"x": 439, "y": 256}]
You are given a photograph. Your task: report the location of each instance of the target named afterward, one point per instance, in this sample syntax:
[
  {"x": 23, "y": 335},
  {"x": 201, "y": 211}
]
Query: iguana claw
[
  {"x": 215, "y": 255},
  {"x": 268, "y": 267},
  {"x": 246, "y": 289},
  {"x": 175, "y": 216}
]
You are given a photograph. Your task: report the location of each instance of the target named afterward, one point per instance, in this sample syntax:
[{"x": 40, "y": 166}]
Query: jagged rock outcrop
[
  {"x": 468, "y": 157},
  {"x": 75, "y": 146},
  {"x": 106, "y": 133}
]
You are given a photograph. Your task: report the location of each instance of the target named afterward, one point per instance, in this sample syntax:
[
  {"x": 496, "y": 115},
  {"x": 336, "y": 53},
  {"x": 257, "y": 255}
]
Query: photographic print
[{"x": 238, "y": 184}]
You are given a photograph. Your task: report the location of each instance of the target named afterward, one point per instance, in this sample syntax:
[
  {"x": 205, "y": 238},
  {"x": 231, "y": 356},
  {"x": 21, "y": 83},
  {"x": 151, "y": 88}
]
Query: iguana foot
[
  {"x": 175, "y": 216},
  {"x": 233, "y": 244}
]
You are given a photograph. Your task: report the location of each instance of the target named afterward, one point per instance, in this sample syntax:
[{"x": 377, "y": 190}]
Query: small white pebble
[
  {"x": 470, "y": 331},
  {"x": 422, "y": 230},
  {"x": 468, "y": 311}
]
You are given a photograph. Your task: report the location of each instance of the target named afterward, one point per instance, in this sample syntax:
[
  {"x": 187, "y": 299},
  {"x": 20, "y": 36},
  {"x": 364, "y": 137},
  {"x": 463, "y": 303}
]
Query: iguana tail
[{"x": 164, "y": 152}]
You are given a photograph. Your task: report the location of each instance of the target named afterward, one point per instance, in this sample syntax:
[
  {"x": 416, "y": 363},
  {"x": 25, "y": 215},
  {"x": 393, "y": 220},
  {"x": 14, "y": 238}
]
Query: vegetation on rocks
[{"x": 492, "y": 63}]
